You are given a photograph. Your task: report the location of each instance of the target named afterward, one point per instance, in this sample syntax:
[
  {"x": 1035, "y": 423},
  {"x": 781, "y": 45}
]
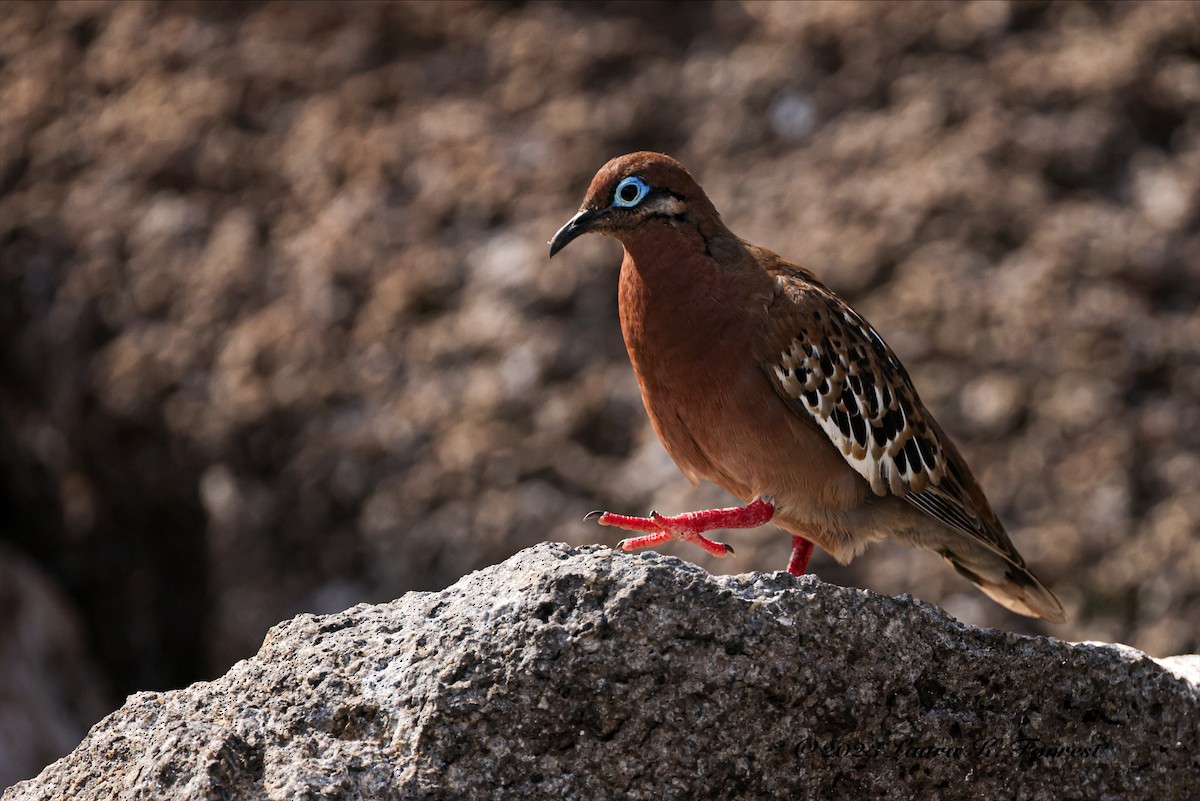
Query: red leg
[
  {"x": 801, "y": 551},
  {"x": 688, "y": 526}
]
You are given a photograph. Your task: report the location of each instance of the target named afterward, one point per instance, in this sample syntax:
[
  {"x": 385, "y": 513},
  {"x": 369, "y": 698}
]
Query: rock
[{"x": 565, "y": 673}]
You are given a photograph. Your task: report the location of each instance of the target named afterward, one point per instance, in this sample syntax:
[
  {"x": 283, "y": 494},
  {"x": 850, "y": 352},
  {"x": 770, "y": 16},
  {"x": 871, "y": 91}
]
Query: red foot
[
  {"x": 688, "y": 526},
  {"x": 801, "y": 551}
]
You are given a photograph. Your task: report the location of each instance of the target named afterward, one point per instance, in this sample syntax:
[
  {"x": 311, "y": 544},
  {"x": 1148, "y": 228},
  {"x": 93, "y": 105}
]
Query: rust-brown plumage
[{"x": 759, "y": 378}]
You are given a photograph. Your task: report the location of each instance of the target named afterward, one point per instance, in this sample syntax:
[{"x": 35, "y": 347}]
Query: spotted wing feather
[
  {"x": 841, "y": 372},
  {"x": 830, "y": 365}
]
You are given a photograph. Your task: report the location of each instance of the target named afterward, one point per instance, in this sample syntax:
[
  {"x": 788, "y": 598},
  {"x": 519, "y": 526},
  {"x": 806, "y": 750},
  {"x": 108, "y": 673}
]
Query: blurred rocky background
[{"x": 278, "y": 331}]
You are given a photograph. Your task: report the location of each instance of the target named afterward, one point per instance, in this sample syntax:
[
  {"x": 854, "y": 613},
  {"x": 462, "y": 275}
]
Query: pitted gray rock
[{"x": 578, "y": 674}]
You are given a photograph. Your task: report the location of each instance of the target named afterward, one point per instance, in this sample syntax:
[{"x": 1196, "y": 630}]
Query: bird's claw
[
  {"x": 657, "y": 529},
  {"x": 717, "y": 549},
  {"x": 592, "y": 515}
]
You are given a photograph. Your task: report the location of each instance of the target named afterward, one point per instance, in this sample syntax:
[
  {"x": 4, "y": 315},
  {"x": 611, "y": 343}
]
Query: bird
[{"x": 758, "y": 377}]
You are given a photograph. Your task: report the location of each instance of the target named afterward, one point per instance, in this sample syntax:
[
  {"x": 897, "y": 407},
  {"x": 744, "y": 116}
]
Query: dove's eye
[{"x": 630, "y": 192}]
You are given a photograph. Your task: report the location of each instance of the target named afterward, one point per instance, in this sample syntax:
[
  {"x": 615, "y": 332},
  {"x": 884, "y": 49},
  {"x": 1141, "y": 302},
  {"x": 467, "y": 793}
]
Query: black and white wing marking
[
  {"x": 839, "y": 370},
  {"x": 832, "y": 366}
]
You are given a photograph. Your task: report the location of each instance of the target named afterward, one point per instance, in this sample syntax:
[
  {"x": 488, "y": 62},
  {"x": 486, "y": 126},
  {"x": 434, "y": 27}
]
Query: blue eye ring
[{"x": 626, "y": 199}]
